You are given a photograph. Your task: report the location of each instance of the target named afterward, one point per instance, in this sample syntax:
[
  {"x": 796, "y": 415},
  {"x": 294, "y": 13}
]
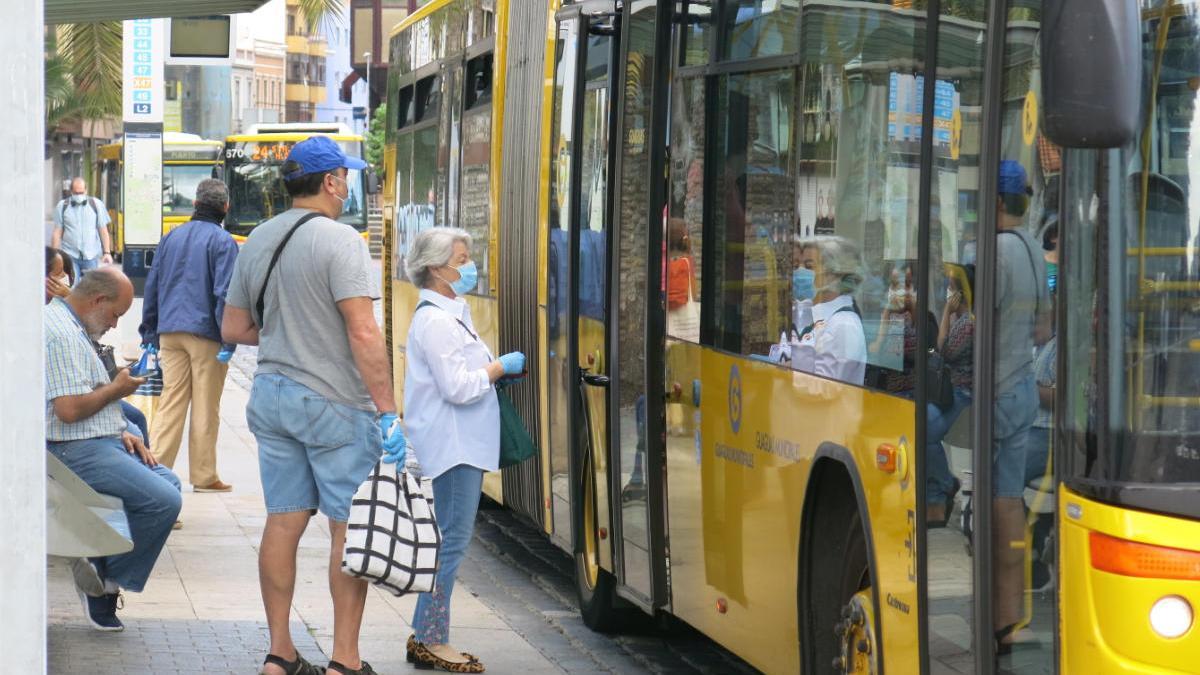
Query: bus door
[{"x": 578, "y": 253}]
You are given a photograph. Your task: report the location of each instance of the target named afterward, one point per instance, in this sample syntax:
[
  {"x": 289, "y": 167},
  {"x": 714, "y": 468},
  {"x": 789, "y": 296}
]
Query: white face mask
[
  {"x": 950, "y": 293},
  {"x": 78, "y": 199},
  {"x": 63, "y": 279}
]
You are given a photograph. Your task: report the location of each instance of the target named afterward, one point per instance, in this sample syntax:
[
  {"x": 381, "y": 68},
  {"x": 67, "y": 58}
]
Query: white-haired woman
[
  {"x": 834, "y": 344},
  {"x": 452, "y": 419}
]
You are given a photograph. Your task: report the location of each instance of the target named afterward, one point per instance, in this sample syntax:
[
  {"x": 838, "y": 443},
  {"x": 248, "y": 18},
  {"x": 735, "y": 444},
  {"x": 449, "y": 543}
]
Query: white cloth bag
[{"x": 392, "y": 537}]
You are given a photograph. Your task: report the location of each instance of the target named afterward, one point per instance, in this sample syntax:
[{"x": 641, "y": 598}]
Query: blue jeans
[
  {"x": 455, "y": 502},
  {"x": 1037, "y": 454},
  {"x": 1013, "y": 415},
  {"x": 82, "y": 265},
  {"x": 939, "y": 481},
  {"x": 137, "y": 418},
  {"x": 150, "y": 495}
]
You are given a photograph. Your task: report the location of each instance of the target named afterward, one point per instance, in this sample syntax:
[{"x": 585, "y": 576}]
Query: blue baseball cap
[
  {"x": 1013, "y": 180},
  {"x": 318, "y": 155}
]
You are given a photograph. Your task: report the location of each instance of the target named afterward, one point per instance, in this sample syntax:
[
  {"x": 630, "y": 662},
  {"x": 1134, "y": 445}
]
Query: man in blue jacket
[{"x": 181, "y": 317}]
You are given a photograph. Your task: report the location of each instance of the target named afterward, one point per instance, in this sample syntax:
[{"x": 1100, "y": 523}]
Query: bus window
[
  {"x": 755, "y": 28},
  {"x": 1133, "y": 244},
  {"x": 815, "y": 205},
  {"x": 179, "y": 186},
  {"x": 685, "y": 229}
]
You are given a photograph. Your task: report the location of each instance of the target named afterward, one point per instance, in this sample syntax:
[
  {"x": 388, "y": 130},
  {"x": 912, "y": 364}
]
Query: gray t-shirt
[
  {"x": 304, "y": 334},
  {"x": 1021, "y": 292}
]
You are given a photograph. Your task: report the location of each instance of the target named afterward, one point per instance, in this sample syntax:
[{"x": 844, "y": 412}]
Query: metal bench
[{"x": 81, "y": 522}]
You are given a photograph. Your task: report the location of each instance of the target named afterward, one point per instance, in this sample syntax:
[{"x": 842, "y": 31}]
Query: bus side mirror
[
  {"x": 218, "y": 172},
  {"x": 1091, "y": 72},
  {"x": 372, "y": 182}
]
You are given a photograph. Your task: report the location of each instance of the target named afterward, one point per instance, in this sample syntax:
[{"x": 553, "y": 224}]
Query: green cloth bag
[{"x": 516, "y": 446}]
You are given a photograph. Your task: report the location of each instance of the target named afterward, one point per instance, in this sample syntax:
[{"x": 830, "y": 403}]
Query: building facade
[
  {"x": 338, "y": 58},
  {"x": 305, "y": 67}
]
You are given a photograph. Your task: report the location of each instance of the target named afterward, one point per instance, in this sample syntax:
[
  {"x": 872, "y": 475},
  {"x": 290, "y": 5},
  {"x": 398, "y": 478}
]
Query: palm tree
[
  {"x": 315, "y": 12},
  {"x": 83, "y": 72}
]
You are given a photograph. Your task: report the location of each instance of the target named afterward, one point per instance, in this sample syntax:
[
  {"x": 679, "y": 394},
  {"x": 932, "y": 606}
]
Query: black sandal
[
  {"x": 297, "y": 667},
  {"x": 365, "y": 670},
  {"x": 1005, "y": 648}
]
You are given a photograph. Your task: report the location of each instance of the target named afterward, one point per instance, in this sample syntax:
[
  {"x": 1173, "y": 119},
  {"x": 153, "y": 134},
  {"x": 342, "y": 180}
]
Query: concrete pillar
[{"x": 22, "y": 383}]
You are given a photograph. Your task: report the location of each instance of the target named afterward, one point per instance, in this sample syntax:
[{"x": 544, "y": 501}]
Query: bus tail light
[{"x": 1135, "y": 559}]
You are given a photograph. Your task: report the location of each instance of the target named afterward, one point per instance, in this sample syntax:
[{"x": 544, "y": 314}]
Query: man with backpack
[{"x": 81, "y": 230}]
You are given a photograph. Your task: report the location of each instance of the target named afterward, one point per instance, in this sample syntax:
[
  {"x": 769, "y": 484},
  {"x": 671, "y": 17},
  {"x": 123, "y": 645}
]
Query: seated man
[{"x": 86, "y": 430}]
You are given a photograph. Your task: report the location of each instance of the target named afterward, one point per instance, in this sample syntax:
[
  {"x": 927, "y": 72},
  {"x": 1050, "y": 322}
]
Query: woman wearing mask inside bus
[
  {"x": 452, "y": 419},
  {"x": 955, "y": 344},
  {"x": 833, "y": 344}
]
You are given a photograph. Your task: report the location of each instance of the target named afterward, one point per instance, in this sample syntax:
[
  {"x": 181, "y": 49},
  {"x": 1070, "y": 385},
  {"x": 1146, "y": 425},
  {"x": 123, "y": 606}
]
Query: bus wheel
[
  {"x": 594, "y": 587},
  {"x": 857, "y": 645}
]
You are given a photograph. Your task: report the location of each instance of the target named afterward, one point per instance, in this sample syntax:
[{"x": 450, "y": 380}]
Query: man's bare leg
[
  {"x": 349, "y": 598},
  {"x": 277, "y": 579}
]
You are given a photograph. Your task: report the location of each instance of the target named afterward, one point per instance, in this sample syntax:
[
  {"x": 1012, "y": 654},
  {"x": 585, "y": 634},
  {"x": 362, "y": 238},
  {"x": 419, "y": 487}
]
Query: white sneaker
[{"x": 87, "y": 578}]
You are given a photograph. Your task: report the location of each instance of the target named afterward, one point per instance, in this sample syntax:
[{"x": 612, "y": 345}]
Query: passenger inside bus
[
  {"x": 956, "y": 350},
  {"x": 833, "y": 345},
  {"x": 683, "y": 293}
]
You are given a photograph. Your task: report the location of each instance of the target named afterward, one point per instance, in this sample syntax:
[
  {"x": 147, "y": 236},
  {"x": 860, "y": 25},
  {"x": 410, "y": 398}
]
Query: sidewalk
[{"x": 202, "y": 610}]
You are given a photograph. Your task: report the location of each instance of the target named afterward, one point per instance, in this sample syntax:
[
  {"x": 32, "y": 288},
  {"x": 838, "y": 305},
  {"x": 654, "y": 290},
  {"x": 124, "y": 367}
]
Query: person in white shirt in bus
[
  {"x": 833, "y": 345},
  {"x": 452, "y": 418}
]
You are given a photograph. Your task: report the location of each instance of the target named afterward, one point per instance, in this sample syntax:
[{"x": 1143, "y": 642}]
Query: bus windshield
[
  {"x": 179, "y": 187},
  {"x": 1133, "y": 319},
  {"x": 256, "y": 190}
]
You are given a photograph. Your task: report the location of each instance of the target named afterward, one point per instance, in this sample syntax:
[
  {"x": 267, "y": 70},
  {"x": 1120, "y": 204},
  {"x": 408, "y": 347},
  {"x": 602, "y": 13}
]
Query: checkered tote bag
[{"x": 392, "y": 538}]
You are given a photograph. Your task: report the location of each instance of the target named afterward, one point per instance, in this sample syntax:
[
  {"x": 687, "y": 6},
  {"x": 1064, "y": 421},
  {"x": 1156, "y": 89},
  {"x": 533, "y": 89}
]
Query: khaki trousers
[{"x": 191, "y": 375}]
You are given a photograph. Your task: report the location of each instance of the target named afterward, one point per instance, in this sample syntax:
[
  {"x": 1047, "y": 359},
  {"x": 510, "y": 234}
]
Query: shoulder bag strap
[
  {"x": 1037, "y": 290},
  {"x": 426, "y": 303},
  {"x": 262, "y": 292}
]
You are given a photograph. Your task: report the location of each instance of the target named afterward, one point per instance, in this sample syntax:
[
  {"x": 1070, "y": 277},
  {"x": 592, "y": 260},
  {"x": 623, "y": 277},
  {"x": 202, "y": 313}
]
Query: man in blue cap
[
  {"x": 322, "y": 407},
  {"x": 1022, "y": 320}
]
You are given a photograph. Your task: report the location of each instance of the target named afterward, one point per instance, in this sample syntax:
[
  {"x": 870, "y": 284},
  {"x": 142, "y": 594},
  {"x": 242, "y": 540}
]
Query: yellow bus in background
[
  {"x": 783, "y": 511},
  {"x": 187, "y": 160},
  {"x": 252, "y": 172}
]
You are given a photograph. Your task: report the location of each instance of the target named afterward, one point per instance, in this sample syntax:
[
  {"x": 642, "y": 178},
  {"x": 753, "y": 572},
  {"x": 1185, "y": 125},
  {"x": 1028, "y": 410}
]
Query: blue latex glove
[
  {"x": 147, "y": 347},
  {"x": 513, "y": 362},
  {"x": 394, "y": 444},
  {"x": 224, "y": 355}
]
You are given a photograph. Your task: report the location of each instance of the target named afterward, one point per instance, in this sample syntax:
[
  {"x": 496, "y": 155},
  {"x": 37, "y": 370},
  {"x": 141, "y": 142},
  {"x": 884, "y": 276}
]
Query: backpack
[{"x": 62, "y": 214}]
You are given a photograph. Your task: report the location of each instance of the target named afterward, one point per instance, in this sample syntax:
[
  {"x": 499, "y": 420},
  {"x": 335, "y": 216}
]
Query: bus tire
[
  {"x": 596, "y": 600},
  {"x": 835, "y": 584}
]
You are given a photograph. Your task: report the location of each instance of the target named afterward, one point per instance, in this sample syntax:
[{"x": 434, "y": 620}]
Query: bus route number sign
[{"x": 276, "y": 152}]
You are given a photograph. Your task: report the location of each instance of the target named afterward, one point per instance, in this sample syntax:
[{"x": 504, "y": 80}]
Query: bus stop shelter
[{"x": 22, "y": 357}]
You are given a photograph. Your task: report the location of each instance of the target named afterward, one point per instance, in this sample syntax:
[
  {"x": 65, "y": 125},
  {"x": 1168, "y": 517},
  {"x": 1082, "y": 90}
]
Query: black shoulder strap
[
  {"x": 95, "y": 209},
  {"x": 262, "y": 292},
  {"x": 1037, "y": 290},
  {"x": 426, "y": 303},
  {"x": 853, "y": 307}
]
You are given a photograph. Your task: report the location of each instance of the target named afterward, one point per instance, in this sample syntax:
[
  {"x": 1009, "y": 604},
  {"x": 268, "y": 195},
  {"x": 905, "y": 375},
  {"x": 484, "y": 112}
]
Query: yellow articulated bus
[
  {"x": 187, "y": 160},
  {"x": 256, "y": 190},
  {"x": 863, "y": 336}
]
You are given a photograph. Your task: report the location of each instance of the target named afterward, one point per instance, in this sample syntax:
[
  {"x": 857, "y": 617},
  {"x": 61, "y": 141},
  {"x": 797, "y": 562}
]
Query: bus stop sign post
[{"x": 142, "y": 113}]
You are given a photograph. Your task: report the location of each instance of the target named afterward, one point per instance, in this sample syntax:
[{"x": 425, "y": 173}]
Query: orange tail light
[{"x": 1135, "y": 559}]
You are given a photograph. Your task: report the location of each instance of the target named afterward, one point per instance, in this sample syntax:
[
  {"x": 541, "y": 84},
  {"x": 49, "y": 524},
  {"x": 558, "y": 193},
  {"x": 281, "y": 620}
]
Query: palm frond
[
  {"x": 92, "y": 53},
  {"x": 316, "y": 12}
]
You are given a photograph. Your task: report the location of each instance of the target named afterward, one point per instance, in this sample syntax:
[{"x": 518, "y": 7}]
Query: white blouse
[
  {"x": 835, "y": 347},
  {"x": 451, "y": 415}
]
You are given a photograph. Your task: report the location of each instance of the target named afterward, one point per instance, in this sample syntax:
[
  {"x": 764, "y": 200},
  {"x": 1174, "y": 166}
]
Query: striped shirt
[{"x": 74, "y": 369}]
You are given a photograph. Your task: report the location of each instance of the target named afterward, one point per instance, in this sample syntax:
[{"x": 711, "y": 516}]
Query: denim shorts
[
  {"x": 1015, "y": 410},
  {"x": 313, "y": 453}
]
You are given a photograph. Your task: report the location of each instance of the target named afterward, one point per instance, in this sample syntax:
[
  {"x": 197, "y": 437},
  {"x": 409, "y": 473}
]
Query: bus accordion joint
[{"x": 1135, "y": 559}]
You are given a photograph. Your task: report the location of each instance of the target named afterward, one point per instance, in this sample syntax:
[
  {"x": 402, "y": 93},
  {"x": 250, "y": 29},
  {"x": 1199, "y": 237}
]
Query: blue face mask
[
  {"x": 468, "y": 277},
  {"x": 802, "y": 283}
]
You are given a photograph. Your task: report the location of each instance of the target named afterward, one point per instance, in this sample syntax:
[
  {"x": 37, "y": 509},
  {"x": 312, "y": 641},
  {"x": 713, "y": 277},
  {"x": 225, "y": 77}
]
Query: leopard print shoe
[{"x": 423, "y": 659}]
